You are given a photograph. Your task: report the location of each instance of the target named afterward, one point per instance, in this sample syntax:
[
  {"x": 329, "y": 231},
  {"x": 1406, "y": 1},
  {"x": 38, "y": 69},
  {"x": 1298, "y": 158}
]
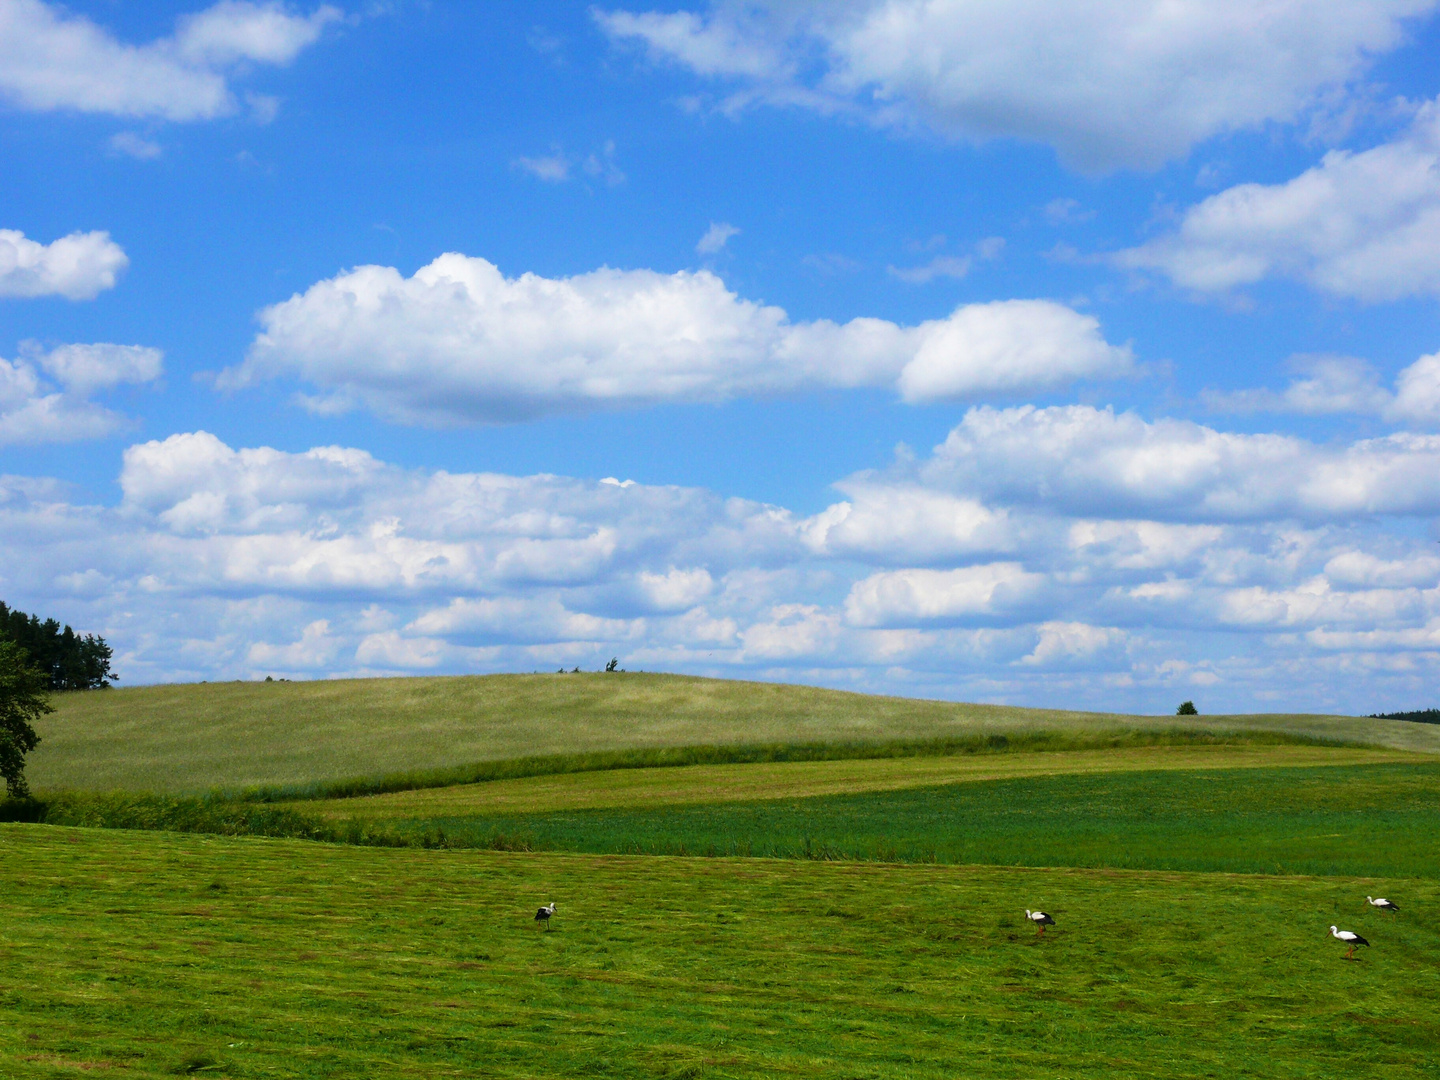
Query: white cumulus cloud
[
  {"x": 1009, "y": 345},
  {"x": 459, "y": 342},
  {"x": 905, "y": 597},
  {"x": 84, "y": 369},
  {"x": 1087, "y": 461},
  {"x": 1341, "y": 384},
  {"x": 53, "y": 60},
  {"x": 1044, "y": 584},
  {"x": 1108, "y": 84},
  {"x": 33, "y": 410},
  {"x": 78, "y": 267},
  {"x": 1417, "y": 392},
  {"x": 883, "y": 522},
  {"x": 1360, "y": 225}
]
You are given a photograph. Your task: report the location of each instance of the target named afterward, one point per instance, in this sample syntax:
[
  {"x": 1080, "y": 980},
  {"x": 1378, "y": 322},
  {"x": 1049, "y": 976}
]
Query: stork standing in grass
[
  {"x": 543, "y": 915},
  {"x": 1349, "y": 937},
  {"x": 1040, "y": 919},
  {"x": 1383, "y": 904}
]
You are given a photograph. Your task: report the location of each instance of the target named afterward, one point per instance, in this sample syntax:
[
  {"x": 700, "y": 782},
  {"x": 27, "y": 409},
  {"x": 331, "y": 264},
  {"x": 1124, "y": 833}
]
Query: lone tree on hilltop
[
  {"x": 23, "y": 700},
  {"x": 1187, "y": 708}
]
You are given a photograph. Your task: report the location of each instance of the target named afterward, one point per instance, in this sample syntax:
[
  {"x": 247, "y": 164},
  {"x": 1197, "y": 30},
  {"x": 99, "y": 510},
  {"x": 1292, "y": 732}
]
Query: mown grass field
[
  {"x": 196, "y": 737},
  {"x": 858, "y": 910},
  {"x": 151, "y": 954}
]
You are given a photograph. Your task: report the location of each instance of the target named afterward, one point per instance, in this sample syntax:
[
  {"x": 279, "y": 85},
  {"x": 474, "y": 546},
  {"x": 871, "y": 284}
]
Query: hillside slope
[{"x": 196, "y": 736}]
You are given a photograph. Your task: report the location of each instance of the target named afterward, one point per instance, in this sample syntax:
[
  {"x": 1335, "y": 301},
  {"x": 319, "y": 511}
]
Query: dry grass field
[{"x": 201, "y": 736}]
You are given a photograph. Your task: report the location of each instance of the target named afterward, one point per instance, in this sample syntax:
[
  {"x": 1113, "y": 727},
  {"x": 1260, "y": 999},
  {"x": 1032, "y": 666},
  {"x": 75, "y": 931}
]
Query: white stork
[
  {"x": 543, "y": 915},
  {"x": 1349, "y": 937},
  {"x": 1383, "y": 904},
  {"x": 1040, "y": 919}
]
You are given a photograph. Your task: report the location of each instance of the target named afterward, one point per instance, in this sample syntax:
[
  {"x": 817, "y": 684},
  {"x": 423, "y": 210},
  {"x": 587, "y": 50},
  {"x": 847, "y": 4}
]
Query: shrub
[{"x": 1187, "y": 708}]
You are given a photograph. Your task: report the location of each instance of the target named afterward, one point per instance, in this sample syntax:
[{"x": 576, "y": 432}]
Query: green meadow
[
  {"x": 1369, "y": 820},
  {"x": 152, "y": 954},
  {"x": 676, "y": 786},
  {"x": 751, "y": 881}
]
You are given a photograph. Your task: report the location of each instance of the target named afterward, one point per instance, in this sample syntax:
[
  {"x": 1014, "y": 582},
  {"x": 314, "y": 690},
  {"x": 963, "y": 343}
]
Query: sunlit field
[
  {"x": 152, "y": 954},
  {"x": 815, "y": 884},
  {"x": 1381, "y": 820},
  {"x": 193, "y": 738},
  {"x": 710, "y": 784}
]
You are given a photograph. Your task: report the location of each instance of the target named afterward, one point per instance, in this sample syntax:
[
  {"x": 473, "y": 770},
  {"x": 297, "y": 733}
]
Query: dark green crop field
[
  {"x": 1381, "y": 820},
  {"x": 149, "y": 955}
]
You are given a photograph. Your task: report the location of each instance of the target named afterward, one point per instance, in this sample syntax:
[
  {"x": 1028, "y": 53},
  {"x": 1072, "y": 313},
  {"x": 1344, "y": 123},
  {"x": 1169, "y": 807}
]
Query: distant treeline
[
  {"x": 1420, "y": 716},
  {"x": 69, "y": 661}
]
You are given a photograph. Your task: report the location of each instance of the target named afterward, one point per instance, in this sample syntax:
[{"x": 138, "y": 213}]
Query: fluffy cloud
[
  {"x": 52, "y": 60},
  {"x": 1008, "y": 346},
  {"x": 1417, "y": 392},
  {"x": 334, "y": 518},
  {"x": 908, "y": 597},
  {"x": 1347, "y": 385},
  {"x": 315, "y": 648},
  {"x": 1094, "y": 461},
  {"x": 34, "y": 411},
  {"x": 459, "y": 342},
  {"x": 1062, "y": 644},
  {"x": 30, "y": 414},
  {"x": 510, "y": 619},
  {"x": 1327, "y": 384},
  {"x": 84, "y": 369},
  {"x": 226, "y": 562},
  {"x": 78, "y": 267},
  {"x": 882, "y": 522},
  {"x": 1362, "y": 225},
  {"x": 1108, "y": 85}
]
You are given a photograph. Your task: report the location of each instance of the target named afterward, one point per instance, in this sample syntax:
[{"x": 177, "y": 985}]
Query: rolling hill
[{"x": 194, "y": 737}]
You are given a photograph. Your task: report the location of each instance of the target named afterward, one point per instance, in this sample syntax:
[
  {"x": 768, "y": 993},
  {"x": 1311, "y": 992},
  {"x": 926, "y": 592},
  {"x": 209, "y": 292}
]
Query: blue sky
[{"x": 1045, "y": 354}]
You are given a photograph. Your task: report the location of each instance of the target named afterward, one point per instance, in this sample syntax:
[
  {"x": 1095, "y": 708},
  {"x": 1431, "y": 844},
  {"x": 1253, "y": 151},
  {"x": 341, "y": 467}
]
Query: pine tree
[{"x": 66, "y": 659}]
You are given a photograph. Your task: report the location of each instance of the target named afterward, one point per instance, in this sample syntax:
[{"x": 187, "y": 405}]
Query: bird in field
[
  {"x": 1383, "y": 904},
  {"x": 543, "y": 915},
  {"x": 1349, "y": 937},
  {"x": 1040, "y": 919}
]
